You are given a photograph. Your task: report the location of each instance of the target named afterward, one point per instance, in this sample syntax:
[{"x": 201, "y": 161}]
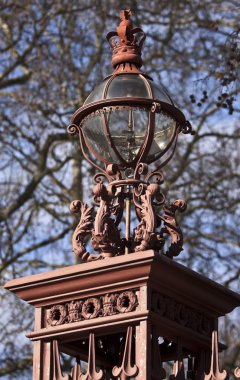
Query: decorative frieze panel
[
  {"x": 92, "y": 307},
  {"x": 182, "y": 314}
]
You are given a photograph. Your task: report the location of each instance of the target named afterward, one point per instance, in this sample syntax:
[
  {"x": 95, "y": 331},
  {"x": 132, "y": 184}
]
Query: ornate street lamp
[
  {"x": 127, "y": 123},
  {"x": 127, "y": 316}
]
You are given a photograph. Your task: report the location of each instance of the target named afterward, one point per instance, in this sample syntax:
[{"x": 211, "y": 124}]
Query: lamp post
[
  {"x": 129, "y": 308},
  {"x": 126, "y": 124}
]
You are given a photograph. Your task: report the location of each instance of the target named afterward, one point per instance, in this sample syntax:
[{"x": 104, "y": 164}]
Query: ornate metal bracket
[
  {"x": 106, "y": 236},
  {"x": 145, "y": 235},
  {"x": 83, "y": 228},
  {"x": 172, "y": 228},
  {"x": 148, "y": 199},
  {"x": 214, "y": 373},
  {"x": 126, "y": 371}
]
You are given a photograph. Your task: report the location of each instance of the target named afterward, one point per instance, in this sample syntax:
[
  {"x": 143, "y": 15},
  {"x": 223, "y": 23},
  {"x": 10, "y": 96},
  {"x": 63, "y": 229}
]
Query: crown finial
[{"x": 127, "y": 47}]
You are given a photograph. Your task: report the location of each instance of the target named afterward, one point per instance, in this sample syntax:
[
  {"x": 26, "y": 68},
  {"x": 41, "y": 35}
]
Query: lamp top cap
[{"x": 126, "y": 44}]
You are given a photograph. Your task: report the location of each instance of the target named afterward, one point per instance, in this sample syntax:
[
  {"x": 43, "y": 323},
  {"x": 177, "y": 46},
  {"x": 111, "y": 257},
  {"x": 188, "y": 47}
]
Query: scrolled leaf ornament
[
  {"x": 187, "y": 128},
  {"x": 83, "y": 228},
  {"x": 106, "y": 236},
  {"x": 172, "y": 228},
  {"x": 145, "y": 235},
  {"x": 156, "y": 107},
  {"x": 72, "y": 129}
]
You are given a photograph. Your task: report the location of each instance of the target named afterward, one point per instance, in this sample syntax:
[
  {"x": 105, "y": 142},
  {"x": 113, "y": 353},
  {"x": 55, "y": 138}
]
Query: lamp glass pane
[
  {"x": 127, "y": 128},
  {"x": 96, "y": 94},
  {"x": 165, "y": 128},
  {"x": 96, "y": 138},
  {"x": 128, "y": 85},
  {"x": 159, "y": 93}
]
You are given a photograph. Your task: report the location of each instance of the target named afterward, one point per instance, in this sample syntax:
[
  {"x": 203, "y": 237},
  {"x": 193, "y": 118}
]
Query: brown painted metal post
[
  {"x": 46, "y": 362},
  {"x": 37, "y": 347},
  {"x": 143, "y": 350},
  {"x": 143, "y": 339},
  {"x": 128, "y": 221}
]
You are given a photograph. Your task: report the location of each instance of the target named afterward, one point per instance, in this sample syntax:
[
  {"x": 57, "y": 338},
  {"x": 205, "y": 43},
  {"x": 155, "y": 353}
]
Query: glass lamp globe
[{"x": 119, "y": 131}]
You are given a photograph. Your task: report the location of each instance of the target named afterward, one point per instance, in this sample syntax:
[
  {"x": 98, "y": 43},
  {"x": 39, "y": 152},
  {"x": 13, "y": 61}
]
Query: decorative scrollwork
[
  {"x": 72, "y": 129},
  {"x": 106, "y": 236},
  {"x": 156, "y": 107},
  {"x": 141, "y": 169},
  {"x": 93, "y": 307},
  {"x": 146, "y": 197},
  {"x": 172, "y": 228},
  {"x": 145, "y": 235},
  {"x": 187, "y": 128},
  {"x": 83, "y": 228},
  {"x": 109, "y": 197}
]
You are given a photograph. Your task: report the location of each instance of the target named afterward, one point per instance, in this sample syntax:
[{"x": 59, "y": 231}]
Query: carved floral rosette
[{"x": 92, "y": 307}]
